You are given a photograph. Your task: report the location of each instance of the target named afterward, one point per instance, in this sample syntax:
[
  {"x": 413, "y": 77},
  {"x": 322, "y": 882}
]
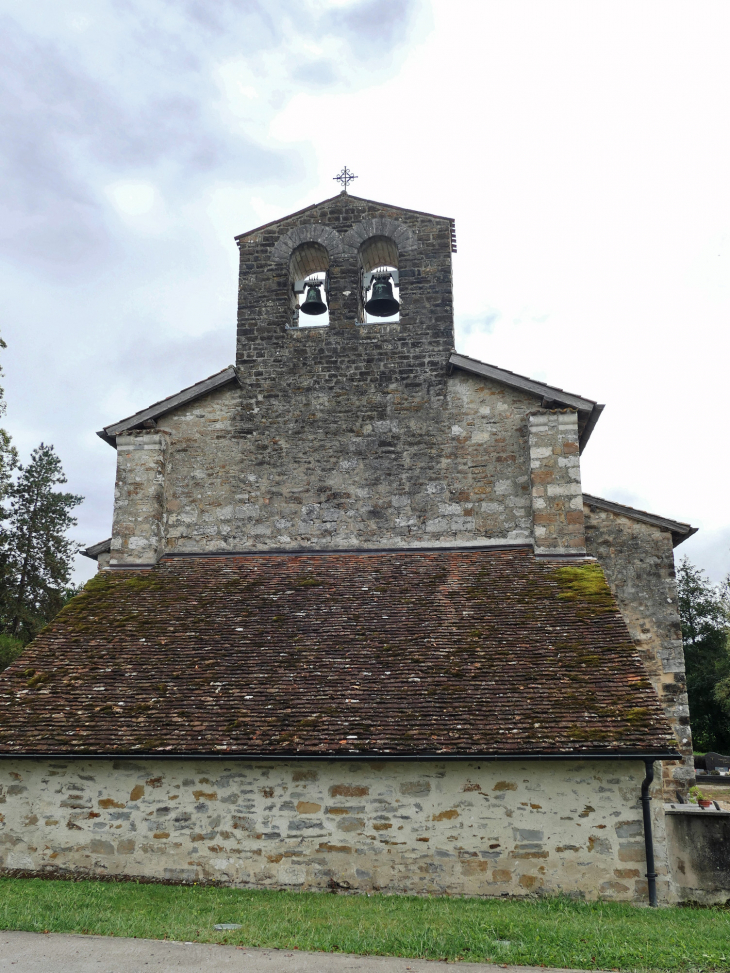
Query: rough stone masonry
[{"x": 470, "y": 828}]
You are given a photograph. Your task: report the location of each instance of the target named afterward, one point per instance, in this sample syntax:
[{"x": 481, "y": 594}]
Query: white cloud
[{"x": 132, "y": 198}]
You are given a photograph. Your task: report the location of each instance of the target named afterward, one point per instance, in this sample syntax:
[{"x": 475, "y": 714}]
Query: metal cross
[{"x": 345, "y": 177}]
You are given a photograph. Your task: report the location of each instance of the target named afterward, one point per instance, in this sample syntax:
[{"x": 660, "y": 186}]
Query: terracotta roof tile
[{"x": 448, "y": 653}]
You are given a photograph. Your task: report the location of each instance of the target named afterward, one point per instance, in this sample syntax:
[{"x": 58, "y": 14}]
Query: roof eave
[
  {"x": 588, "y": 410},
  {"x": 379, "y": 755},
  {"x": 94, "y": 550},
  {"x": 184, "y": 397},
  {"x": 678, "y": 538},
  {"x": 593, "y": 417},
  {"x": 679, "y": 531}
]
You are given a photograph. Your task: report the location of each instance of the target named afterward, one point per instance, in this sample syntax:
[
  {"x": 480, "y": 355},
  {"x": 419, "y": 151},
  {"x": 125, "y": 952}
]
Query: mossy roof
[{"x": 450, "y": 653}]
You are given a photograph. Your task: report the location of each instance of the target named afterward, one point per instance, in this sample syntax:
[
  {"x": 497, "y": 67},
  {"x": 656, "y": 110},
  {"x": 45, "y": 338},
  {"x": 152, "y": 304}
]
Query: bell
[
  {"x": 382, "y": 304},
  {"x": 313, "y": 303}
]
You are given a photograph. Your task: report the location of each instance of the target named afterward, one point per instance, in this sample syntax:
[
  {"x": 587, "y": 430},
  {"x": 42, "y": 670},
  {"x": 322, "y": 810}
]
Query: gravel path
[{"x": 29, "y": 952}]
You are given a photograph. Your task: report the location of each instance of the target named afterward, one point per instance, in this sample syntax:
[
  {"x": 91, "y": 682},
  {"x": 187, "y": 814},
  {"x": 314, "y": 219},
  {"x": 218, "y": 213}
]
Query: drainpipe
[{"x": 648, "y": 840}]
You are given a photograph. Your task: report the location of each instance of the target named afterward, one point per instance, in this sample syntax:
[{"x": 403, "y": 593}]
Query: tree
[
  {"x": 38, "y": 555},
  {"x": 35, "y": 556},
  {"x": 10, "y": 648},
  {"x": 8, "y": 452},
  {"x": 8, "y": 458},
  {"x": 704, "y": 609}
]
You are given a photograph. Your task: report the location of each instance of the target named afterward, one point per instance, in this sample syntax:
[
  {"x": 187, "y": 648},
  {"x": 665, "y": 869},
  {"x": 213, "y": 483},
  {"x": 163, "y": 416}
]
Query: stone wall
[
  {"x": 350, "y": 435},
  {"x": 463, "y": 827},
  {"x": 638, "y": 561},
  {"x": 341, "y": 225},
  {"x": 334, "y": 470}
]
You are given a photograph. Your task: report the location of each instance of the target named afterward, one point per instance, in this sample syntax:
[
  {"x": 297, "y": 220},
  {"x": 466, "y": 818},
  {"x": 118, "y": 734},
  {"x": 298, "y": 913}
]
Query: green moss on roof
[
  {"x": 586, "y": 585},
  {"x": 144, "y": 582},
  {"x": 510, "y": 654},
  {"x": 308, "y": 582}
]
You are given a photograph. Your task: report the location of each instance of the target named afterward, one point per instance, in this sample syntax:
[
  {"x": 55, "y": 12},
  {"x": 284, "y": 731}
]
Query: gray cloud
[
  {"x": 467, "y": 324},
  {"x": 103, "y": 315},
  {"x": 65, "y": 129},
  {"x": 130, "y": 90},
  {"x": 375, "y": 27},
  {"x": 318, "y": 73}
]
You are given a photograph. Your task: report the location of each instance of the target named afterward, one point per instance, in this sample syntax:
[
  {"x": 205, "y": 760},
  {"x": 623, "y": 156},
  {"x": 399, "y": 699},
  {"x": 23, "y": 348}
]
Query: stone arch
[
  {"x": 378, "y": 251},
  {"x": 309, "y": 233},
  {"x": 308, "y": 258},
  {"x": 309, "y": 261},
  {"x": 403, "y": 236}
]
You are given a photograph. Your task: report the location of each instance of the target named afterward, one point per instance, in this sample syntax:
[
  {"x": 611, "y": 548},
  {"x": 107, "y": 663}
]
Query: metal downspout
[{"x": 648, "y": 840}]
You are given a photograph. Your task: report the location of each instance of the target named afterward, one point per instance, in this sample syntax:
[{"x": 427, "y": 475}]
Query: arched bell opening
[
  {"x": 379, "y": 282},
  {"x": 310, "y": 285}
]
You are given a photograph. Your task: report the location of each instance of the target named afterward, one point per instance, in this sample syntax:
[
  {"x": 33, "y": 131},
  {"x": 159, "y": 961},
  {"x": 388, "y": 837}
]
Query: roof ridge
[
  {"x": 507, "y": 371},
  {"x": 288, "y": 216}
]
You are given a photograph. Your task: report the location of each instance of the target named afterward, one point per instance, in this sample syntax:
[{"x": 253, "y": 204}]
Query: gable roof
[
  {"x": 362, "y": 199},
  {"x": 405, "y": 653},
  {"x": 679, "y": 531},
  {"x": 153, "y": 412},
  {"x": 588, "y": 410}
]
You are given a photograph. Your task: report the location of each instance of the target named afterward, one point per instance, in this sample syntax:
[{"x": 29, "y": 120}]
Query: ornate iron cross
[{"x": 345, "y": 177}]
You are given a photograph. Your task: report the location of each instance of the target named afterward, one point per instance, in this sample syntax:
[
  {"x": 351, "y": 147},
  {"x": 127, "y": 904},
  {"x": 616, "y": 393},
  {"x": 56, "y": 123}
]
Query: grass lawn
[{"x": 550, "y": 932}]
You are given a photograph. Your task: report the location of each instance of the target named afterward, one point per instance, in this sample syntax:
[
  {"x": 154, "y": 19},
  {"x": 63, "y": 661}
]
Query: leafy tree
[
  {"x": 704, "y": 609},
  {"x": 35, "y": 556},
  {"x": 8, "y": 452},
  {"x": 38, "y": 555},
  {"x": 10, "y": 648},
  {"x": 8, "y": 463}
]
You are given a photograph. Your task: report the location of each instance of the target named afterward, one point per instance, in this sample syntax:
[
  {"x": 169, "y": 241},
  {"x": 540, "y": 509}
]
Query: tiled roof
[{"x": 446, "y": 652}]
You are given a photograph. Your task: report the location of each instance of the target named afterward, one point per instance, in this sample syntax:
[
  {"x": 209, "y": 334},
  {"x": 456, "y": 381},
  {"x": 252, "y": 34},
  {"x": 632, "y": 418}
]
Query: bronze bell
[
  {"x": 313, "y": 303},
  {"x": 382, "y": 304}
]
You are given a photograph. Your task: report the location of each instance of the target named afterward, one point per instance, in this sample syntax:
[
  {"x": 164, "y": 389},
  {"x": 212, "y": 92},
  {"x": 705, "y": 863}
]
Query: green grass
[{"x": 549, "y": 932}]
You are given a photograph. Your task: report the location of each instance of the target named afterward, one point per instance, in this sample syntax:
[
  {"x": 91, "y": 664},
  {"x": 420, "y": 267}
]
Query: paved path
[{"x": 31, "y": 952}]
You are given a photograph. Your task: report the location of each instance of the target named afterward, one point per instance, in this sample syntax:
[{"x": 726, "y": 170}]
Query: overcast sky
[{"x": 583, "y": 148}]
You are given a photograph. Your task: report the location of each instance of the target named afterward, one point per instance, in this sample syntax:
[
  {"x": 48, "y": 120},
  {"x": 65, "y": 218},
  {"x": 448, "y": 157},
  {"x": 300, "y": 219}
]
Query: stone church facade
[{"x": 367, "y": 462}]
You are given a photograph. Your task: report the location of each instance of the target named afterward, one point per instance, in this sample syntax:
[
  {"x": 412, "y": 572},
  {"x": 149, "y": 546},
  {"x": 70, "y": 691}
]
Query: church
[{"x": 357, "y": 625}]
